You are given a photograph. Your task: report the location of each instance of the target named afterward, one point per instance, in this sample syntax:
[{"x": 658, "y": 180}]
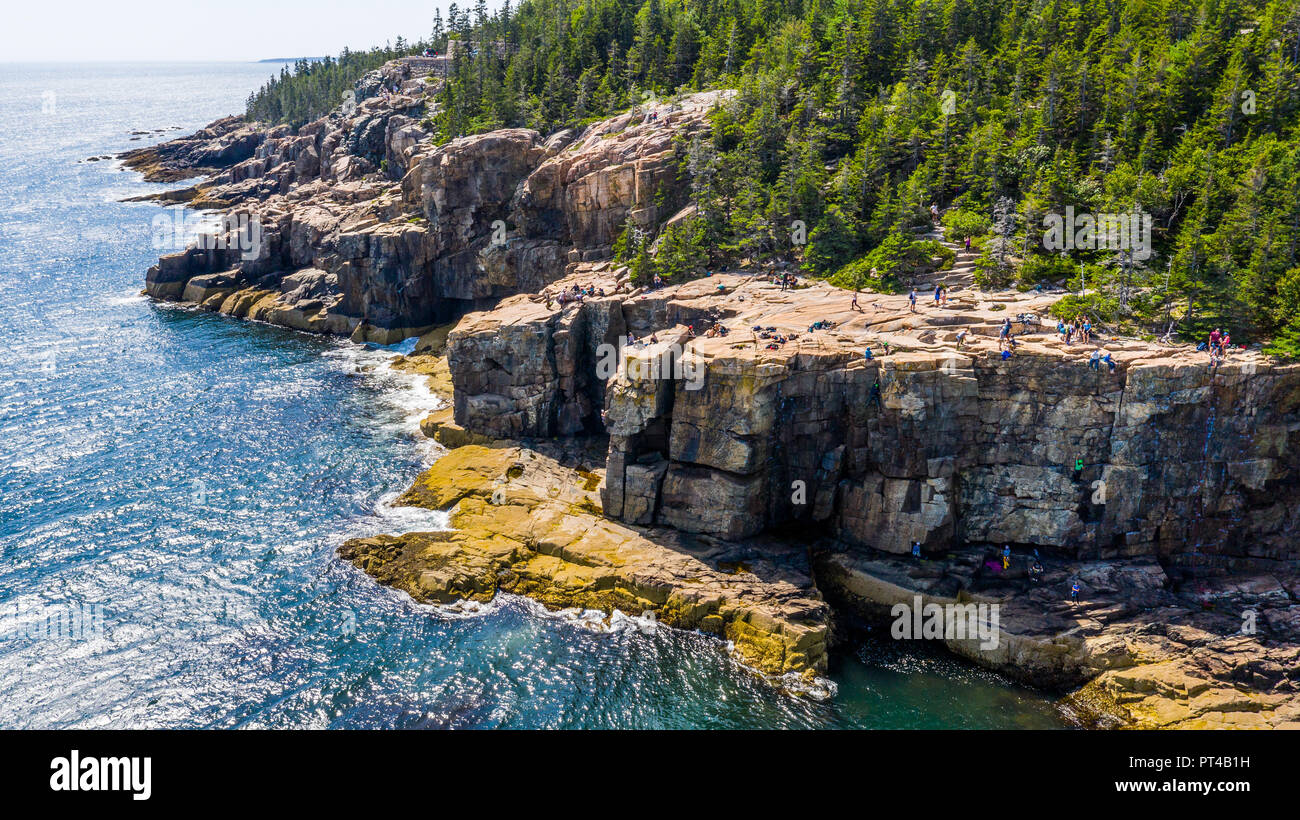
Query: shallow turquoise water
[{"x": 186, "y": 479}]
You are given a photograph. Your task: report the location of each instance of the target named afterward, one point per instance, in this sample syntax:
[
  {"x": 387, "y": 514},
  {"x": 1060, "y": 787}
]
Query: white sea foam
[
  {"x": 398, "y": 518},
  {"x": 594, "y": 620},
  {"x": 407, "y": 393},
  {"x": 127, "y": 299}
]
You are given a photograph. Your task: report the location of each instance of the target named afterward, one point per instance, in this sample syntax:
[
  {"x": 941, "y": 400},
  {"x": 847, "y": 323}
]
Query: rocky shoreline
[{"x": 779, "y": 492}]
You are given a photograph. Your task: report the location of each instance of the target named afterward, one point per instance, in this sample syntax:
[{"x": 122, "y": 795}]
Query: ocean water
[{"x": 173, "y": 486}]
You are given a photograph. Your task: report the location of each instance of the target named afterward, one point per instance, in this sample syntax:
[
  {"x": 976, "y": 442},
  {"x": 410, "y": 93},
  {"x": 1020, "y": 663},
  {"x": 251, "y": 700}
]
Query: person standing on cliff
[
  {"x": 1006, "y": 557},
  {"x": 1074, "y": 592},
  {"x": 916, "y": 550},
  {"x": 854, "y": 304},
  {"x": 912, "y": 300}
]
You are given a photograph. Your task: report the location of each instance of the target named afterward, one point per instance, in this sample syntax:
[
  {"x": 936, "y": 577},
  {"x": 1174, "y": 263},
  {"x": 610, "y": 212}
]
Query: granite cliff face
[
  {"x": 393, "y": 233},
  {"x": 931, "y": 443},
  {"x": 737, "y": 483},
  {"x": 1166, "y": 490}
]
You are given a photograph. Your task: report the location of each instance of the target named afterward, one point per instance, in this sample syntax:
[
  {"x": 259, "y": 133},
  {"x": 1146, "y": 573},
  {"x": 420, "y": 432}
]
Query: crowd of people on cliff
[
  {"x": 575, "y": 294},
  {"x": 1080, "y": 328}
]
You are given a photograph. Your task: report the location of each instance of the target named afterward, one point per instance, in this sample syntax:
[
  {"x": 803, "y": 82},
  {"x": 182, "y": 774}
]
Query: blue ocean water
[{"x": 173, "y": 486}]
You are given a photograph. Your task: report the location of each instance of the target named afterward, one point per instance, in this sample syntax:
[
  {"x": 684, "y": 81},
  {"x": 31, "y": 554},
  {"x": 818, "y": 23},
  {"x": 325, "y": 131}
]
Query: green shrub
[
  {"x": 682, "y": 252},
  {"x": 885, "y": 267},
  {"x": 990, "y": 274},
  {"x": 962, "y": 223},
  {"x": 1286, "y": 344},
  {"x": 1043, "y": 269},
  {"x": 1098, "y": 307}
]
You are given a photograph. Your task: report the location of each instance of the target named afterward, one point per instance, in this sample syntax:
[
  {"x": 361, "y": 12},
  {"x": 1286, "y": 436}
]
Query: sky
[{"x": 146, "y": 30}]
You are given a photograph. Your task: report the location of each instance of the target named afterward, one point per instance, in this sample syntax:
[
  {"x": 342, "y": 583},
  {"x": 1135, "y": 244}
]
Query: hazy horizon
[{"x": 154, "y": 31}]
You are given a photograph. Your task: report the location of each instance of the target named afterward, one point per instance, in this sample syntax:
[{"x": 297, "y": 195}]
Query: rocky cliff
[
  {"x": 1167, "y": 490},
  {"x": 727, "y": 482},
  {"x": 359, "y": 224},
  {"x": 931, "y": 443}
]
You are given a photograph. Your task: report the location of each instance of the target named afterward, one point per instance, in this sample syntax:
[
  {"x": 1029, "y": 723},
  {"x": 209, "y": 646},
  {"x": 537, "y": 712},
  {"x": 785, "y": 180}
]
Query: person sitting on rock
[
  {"x": 1108, "y": 360},
  {"x": 1094, "y": 361},
  {"x": 867, "y": 354}
]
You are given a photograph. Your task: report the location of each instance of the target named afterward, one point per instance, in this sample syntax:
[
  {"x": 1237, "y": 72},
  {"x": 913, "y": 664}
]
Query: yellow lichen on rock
[{"x": 526, "y": 524}]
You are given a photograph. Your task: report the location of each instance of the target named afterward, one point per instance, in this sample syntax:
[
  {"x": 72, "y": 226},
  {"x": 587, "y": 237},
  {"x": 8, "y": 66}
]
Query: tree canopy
[{"x": 852, "y": 116}]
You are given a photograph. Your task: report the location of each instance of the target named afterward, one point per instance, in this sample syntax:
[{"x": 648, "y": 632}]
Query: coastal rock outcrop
[
  {"x": 930, "y": 443},
  {"x": 703, "y": 451},
  {"x": 412, "y": 232},
  {"x": 525, "y": 523}
]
